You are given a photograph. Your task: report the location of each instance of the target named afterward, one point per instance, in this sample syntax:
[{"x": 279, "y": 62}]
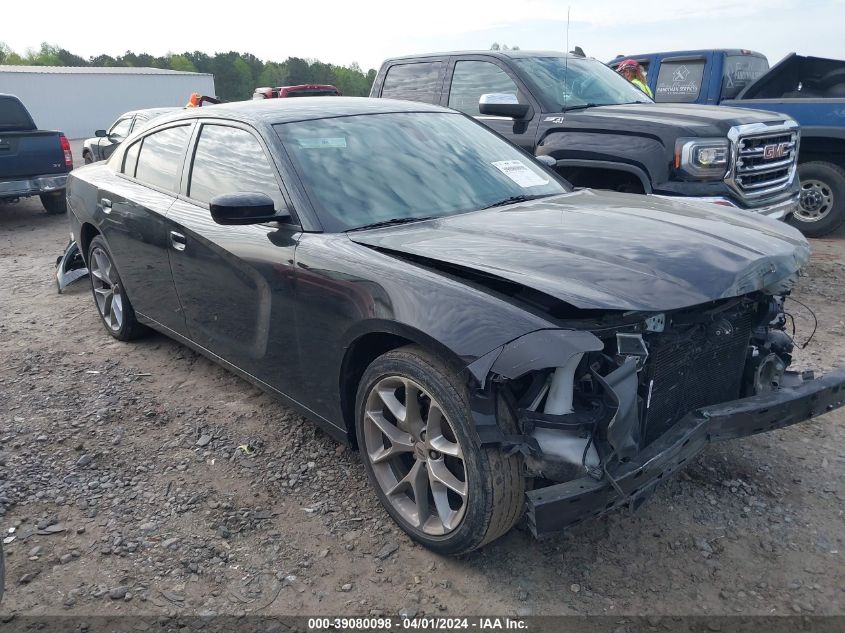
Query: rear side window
[
  {"x": 227, "y": 160},
  {"x": 472, "y": 79},
  {"x": 741, "y": 71},
  {"x": 413, "y": 82},
  {"x": 139, "y": 123},
  {"x": 160, "y": 158},
  {"x": 13, "y": 116},
  {"x": 679, "y": 82}
]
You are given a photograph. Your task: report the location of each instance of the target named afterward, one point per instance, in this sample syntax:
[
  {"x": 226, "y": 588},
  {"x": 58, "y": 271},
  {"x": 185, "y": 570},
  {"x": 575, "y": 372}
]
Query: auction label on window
[
  {"x": 519, "y": 172},
  {"x": 322, "y": 143}
]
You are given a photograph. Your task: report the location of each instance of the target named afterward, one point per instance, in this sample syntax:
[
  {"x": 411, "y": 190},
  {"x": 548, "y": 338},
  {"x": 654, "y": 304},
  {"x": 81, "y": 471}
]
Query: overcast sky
[{"x": 343, "y": 31}]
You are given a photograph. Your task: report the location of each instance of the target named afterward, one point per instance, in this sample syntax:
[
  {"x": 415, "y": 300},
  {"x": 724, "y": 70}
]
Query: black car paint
[
  {"x": 638, "y": 139},
  {"x": 567, "y": 249},
  {"x": 295, "y": 310}
]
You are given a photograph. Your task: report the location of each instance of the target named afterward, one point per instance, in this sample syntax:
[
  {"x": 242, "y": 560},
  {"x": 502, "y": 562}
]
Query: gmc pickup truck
[
  {"x": 33, "y": 162},
  {"x": 810, "y": 90},
  {"x": 600, "y": 131}
]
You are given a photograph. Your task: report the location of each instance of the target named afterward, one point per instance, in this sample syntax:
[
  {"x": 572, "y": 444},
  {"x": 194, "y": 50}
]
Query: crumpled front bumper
[{"x": 559, "y": 506}]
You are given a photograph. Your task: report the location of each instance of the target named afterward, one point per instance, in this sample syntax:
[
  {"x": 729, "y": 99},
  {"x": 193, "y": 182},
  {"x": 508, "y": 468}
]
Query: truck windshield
[
  {"x": 579, "y": 83},
  {"x": 399, "y": 167},
  {"x": 741, "y": 71}
]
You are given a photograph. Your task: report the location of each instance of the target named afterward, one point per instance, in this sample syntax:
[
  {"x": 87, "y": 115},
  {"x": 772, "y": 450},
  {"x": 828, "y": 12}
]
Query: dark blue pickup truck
[
  {"x": 810, "y": 90},
  {"x": 33, "y": 162}
]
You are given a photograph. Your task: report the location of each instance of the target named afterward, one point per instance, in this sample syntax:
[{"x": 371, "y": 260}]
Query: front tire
[
  {"x": 54, "y": 203},
  {"x": 440, "y": 487},
  {"x": 822, "y": 204},
  {"x": 110, "y": 298},
  {"x": 87, "y": 157}
]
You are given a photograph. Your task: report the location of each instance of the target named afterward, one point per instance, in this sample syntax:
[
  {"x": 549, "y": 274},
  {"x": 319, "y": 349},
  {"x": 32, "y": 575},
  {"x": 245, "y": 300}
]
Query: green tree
[{"x": 182, "y": 63}]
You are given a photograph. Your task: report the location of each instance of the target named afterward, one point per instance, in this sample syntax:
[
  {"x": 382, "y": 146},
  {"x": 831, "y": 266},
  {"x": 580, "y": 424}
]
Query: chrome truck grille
[{"x": 764, "y": 158}]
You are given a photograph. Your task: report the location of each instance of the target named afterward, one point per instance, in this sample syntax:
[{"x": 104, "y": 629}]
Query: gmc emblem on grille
[{"x": 775, "y": 150}]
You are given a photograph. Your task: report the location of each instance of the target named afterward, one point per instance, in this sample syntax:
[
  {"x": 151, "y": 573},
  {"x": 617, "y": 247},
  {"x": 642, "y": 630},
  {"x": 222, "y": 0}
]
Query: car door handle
[
  {"x": 178, "y": 241},
  {"x": 106, "y": 204}
]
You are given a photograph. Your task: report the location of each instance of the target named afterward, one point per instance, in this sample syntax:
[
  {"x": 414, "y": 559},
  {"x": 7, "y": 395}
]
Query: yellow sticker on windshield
[{"x": 323, "y": 143}]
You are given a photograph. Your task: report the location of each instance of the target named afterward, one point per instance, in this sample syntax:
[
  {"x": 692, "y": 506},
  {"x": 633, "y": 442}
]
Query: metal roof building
[{"x": 79, "y": 100}]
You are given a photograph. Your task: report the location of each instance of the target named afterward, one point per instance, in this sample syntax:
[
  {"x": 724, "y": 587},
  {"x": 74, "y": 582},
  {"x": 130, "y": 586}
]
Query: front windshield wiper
[
  {"x": 392, "y": 222},
  {"x": 587, "y": 105},
  {"x": 515, "y": 199}
]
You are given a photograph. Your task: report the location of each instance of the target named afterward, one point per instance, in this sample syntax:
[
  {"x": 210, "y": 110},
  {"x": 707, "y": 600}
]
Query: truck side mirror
[{"x": 502, "y": 104}]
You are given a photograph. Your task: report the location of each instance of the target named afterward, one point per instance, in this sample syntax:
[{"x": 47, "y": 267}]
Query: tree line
[{"x": 236, "y": 75}]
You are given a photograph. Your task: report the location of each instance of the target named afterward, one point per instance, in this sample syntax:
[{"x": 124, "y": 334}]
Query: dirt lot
[{"x": 121, "y": 472}]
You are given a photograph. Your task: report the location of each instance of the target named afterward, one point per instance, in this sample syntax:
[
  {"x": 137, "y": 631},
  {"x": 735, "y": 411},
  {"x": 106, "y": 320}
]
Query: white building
[{"x": 79, "y": 100}]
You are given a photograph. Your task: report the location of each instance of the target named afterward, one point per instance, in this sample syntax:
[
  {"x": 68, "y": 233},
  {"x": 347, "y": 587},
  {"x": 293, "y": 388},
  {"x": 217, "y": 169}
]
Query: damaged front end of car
[{"x": 615, "y": 403}]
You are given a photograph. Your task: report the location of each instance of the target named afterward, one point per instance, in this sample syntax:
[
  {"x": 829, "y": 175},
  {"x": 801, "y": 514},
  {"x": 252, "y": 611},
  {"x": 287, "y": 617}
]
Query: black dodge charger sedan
[{"x": 495, "y": 344}]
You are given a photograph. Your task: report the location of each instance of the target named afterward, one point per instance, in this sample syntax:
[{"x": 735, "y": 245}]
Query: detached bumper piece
[
  {"x": 557, "y": 507},
  {"x": 70, "y": 267}
]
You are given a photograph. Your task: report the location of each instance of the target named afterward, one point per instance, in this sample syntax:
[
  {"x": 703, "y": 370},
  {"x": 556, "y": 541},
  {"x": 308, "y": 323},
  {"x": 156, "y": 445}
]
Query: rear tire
[
  {"x": 472, "y": 495},
  {"x": 822, "y": 205},
  {"x": 110, "y": 297},
  {"x": 54, "y": 203}
]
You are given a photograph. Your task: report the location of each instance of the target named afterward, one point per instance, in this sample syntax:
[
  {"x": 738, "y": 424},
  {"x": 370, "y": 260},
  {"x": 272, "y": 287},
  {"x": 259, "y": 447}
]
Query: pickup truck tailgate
[{"x": 30, "y": 153}]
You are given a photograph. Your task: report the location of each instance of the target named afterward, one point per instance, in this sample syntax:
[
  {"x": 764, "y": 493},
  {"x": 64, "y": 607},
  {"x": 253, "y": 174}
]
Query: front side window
[
  {"x": 679, "y": 82},
  {"x": 568, "y": 84},
  {"x": 229, "y": 160},
  {"x": 160, "y": 157},
  {"x": 365, "y": 169},
  {"x": 413, "y": 82},
  {"x": 472, "y": 79},
  {"x": 120, "y": 130}
]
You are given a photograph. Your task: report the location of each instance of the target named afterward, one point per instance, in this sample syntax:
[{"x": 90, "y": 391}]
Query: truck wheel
[
  {"x": 54, "y": 203},
  {"x": 110, "y": 298},
  {"x": 86, "y": 156},
  {"x": 413, "y": 427},
  {"x": 822, "y": 206}
]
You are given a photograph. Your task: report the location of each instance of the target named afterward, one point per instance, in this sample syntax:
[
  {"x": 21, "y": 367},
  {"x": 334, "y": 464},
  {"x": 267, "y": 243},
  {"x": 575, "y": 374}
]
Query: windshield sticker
[
  {"x": 322, "y": 143},
  {"x": 519, "y": 172}
]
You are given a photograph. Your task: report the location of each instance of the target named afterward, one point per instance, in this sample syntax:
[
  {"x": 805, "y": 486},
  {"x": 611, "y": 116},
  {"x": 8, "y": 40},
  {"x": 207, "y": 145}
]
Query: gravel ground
[{"x": 142, "y": 479}]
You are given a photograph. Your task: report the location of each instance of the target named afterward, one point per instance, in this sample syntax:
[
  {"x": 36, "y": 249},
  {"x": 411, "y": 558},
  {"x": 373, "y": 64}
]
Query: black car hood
[
  {"x": 695, "y": 120},
  {"x": 605, "y": 250}
]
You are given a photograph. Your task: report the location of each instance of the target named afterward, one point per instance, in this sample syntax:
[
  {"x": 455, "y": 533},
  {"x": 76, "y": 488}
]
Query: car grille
[
  {"x": 693, "y": 368},
  {"x": 764, "y": 162}
]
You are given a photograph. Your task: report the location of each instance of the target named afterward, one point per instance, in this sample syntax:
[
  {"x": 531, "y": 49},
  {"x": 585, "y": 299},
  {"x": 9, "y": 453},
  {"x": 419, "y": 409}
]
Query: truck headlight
[{"x": 703, "y": 158}]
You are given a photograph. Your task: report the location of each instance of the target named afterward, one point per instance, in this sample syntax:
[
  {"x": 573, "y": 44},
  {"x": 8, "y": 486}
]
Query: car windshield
[
  {"x": 577, "y": 83},
  {"x": 388, "y": 168}
]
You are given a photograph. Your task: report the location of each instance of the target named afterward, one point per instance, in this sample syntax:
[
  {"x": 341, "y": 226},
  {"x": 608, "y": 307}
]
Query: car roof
[
  {"x": 271, "y": 111},
  {"x": 510, "y": 54},
  {"x": 696, "y": 52},
  {"x": 150, "y": 112}
]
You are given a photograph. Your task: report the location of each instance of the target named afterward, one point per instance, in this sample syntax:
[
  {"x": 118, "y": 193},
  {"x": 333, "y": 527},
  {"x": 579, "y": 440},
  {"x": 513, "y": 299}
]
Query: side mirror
[
  {"x": 100, "y": 133},
  {"x": 244, "y": 208},
  {"x": 502, "y": 104}
]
